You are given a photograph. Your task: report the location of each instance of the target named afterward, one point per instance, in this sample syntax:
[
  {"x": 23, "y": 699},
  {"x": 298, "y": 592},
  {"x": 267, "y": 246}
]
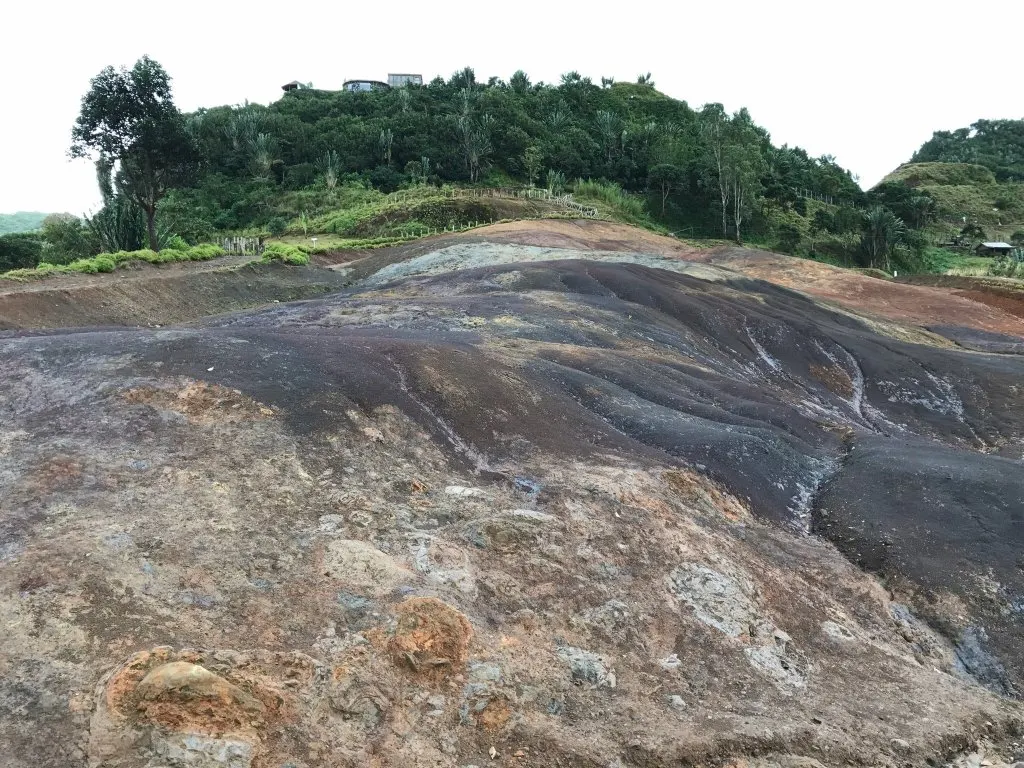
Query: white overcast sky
[{"x": 864, "y": 80}]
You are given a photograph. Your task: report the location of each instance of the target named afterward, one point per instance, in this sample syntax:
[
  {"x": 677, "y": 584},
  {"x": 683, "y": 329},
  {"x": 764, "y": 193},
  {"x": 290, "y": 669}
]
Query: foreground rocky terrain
[{"x": 539, "y": 497}]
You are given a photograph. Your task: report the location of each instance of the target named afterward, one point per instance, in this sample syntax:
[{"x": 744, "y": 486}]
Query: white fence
[
  {"x": 527, "y": 193},
  {"x": 503, "y": 193},
  {"x": 243, "y": 245}
]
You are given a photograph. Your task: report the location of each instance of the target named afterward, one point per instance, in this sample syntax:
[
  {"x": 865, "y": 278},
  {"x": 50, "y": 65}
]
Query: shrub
[
  {"x": 276, "y": 226},
  {"x": 177, "y": 243},
  {"x": 105, "y": 263},
  {"x": 289, "y": 254},
  {"x": 205, "y": 252},
  {"x": 163, "y": 256}
]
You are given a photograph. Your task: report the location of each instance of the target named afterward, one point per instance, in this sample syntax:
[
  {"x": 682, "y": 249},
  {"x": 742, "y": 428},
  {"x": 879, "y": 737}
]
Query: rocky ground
[{"x": 538, "y": 497}]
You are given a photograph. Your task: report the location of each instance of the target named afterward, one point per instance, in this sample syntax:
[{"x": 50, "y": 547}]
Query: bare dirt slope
[
  {"x": 148, "y": 296},
  {"x": 511, "y": 503}
]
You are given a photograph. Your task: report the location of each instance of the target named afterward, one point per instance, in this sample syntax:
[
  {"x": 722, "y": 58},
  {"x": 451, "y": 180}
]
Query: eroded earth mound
[{"x": 515, "y": 502}]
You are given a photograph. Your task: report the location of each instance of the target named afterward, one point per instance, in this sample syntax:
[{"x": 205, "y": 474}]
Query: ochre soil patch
[{"x": 202, "y": 403}]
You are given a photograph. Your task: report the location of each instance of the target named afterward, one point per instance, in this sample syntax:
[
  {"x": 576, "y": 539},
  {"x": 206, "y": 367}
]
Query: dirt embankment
[{"x": 156, "y": 296}]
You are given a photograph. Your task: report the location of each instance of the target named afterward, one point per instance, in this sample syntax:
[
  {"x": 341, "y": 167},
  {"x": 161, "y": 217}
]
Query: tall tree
[
  {"x": 745, "y": 165},
  {"x": 714, "y": 124},
  {"x": 129, "y": 117},
  {"x": 666, "y": 178}
]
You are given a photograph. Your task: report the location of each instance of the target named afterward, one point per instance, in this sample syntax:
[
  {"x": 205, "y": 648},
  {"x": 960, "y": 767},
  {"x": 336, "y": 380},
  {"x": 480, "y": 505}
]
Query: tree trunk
[
  {"x": 151, "y": 228},
  {"x": 725, "y": 214},
  {"x": 664, "y": 198},
  {"x": 737, "y": 213}
]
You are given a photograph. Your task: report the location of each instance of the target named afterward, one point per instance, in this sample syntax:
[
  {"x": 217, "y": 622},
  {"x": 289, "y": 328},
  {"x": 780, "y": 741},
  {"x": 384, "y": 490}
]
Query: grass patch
[
  {"x": 612, "y": 202},
  {"x": 968, "y": 266},
  {"x": 108, "y": 262}
]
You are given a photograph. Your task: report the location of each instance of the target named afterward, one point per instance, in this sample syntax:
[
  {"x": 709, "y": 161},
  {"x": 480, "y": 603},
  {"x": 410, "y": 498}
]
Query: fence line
[
  {"x": 243, "y": 245},
  {"x": 506, "y": 193},
  {"x": 827, "y": 199}
]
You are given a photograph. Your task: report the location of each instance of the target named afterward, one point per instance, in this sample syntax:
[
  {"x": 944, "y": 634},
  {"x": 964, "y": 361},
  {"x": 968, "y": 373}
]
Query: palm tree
[
  {"x": 882, "y": 235},
  {"x": 263, "y": 150},
  {"x": 330, "y": 164},
  {"x": 609, "y": 126}
]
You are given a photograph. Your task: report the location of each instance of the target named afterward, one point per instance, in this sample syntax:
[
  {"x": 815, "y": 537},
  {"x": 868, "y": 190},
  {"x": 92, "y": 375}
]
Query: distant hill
[
  {"x": 966, "y": 193},
  {"x": 22, "y": 221},
  {"x": 976, "y": 177}
]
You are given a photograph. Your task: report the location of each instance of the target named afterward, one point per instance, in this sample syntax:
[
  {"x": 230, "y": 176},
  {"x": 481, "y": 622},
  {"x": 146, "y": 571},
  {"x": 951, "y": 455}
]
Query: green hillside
[
  {"x": 319, "y": 162},
  {"x": 22, "y": 221},
  {"x": 966, "y": 195}
]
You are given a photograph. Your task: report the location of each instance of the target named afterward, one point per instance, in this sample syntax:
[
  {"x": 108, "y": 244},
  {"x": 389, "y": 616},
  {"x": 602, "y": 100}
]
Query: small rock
[
  {"x": 331, "y": 523},
  {"x": 587, "y": 668},
  {"x": 901, "y": 744},
  {"x": 676, "y": 702},
  {"x": 527, "y": 486},
  {"x": 464, "y": 491},
  {"x": 532, "y": 514},
  {"x": 670, "y": 663},
  {"x": 481, "y": 672},
  {"x": 837, "y": 632}
]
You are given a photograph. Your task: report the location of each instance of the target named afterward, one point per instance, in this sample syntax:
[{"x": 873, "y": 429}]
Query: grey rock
[
  {"x": 586, "y": 668},
  {"x": 192, "y": 751},
  {"x": 718, "y": 600}
]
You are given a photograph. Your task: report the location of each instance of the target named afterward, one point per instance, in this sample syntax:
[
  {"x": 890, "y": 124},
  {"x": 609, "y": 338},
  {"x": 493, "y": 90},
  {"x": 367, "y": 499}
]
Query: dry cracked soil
[{"x": 553, "y": 494}]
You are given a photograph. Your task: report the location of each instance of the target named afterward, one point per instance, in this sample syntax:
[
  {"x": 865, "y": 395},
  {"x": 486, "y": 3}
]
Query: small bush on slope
[
  {"x": 108, "y": 262},
  {"x": 289, "y": 254}
]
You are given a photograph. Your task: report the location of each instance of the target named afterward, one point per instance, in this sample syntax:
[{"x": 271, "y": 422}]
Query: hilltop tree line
[{"x": 706, "y": 172}]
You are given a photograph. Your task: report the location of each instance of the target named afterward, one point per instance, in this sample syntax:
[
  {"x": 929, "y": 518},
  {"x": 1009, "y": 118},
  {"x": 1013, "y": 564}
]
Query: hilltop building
[
  {"x": 357, "y": 86},
  {"x": 397, "y": 81}
]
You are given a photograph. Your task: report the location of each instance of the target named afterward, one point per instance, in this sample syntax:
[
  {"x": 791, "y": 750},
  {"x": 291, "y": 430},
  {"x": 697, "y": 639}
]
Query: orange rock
[
  {"x": 179, "y": 695},
  {"x": 432, "y": 638}
]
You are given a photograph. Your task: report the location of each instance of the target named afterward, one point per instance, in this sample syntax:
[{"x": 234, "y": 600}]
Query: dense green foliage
[
  {"x": 266, "y": 166},
  {"x": 108, "y": 262},
  {"x": 323, "y": 162},
  {"x": 995, "y": 144},
  {"x": 19, "y": 250},
  {"x": 22, "y": 221},
  {"x": 1011, "y": 265}
]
